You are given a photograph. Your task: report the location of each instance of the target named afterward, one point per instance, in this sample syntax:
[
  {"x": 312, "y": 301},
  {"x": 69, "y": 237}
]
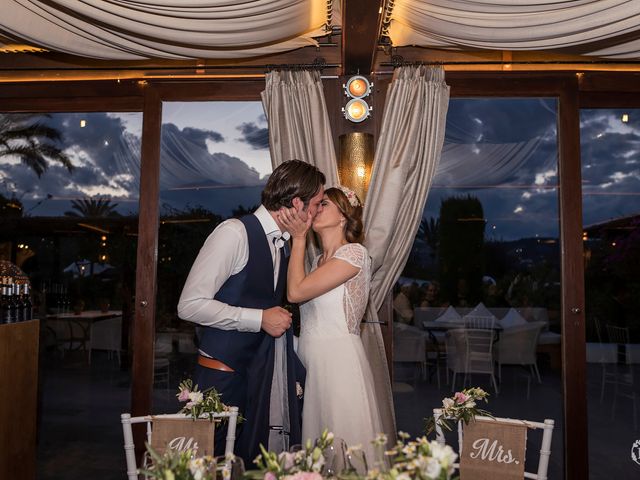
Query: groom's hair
[{"x": 293, "y": 178}]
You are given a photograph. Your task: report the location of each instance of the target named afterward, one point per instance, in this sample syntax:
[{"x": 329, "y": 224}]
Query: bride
[{"x": 339, "y": 392}]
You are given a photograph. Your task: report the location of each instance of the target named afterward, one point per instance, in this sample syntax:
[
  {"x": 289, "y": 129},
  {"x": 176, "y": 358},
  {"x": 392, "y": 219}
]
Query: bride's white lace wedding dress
[{"x": 339, "y": 393}]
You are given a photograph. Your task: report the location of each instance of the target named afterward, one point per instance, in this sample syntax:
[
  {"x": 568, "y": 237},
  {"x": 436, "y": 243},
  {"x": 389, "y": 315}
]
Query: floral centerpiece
[
  {"x": 463, "y": 406},
  {"x": 180, "y": 465},
  {"x": 200, "y": 404},
  {"x": 304, "y": 464}
]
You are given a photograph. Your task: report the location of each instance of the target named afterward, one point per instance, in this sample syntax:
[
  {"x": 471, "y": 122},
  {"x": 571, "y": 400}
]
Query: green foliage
[
  {"x": 461, "y": 249},
  {"x": 92, "y": 207},
  {"x": 32, "y": 142}
]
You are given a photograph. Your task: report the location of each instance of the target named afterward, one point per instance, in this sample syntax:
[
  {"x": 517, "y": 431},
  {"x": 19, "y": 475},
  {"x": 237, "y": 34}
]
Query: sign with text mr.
[
  {"x": 182, "y": 434},
  {"x": 492, "y": 450}
]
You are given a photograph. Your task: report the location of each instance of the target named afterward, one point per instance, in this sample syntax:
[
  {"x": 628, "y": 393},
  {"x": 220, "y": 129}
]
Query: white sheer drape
[
  {"x": 406, "y": 159},
  {"x": 591, "y": 27},
  {"x": 139, "y": 29}
]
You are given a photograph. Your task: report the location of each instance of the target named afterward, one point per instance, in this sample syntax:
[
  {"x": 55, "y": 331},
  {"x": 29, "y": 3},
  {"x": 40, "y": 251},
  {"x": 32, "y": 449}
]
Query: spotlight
[
  {"x": 356, "y": 110},
  {"x": 358, "y": 87}
]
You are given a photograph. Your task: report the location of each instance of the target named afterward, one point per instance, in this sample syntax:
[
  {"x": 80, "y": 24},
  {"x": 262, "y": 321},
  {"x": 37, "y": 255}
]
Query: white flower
[
  {"x": 197, "y": 468},
  {"x": 381, "y": 439},
  {"x": 430, "y": 467},
  {"x": 470, "y": 404},
  {"x": 448, "y": 402},
  {"x": 195, "y": 397},
  {"x": 444, "y": 454},
  {"x": 330, "y": 436}
]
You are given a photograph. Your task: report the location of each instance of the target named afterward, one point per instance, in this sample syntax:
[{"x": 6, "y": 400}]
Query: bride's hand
[{"x": 292, "y": 223}]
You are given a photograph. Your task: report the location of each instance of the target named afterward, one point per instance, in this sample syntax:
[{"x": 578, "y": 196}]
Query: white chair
[
  {"x": 106, "y": 335},
  {"x": 455, "y": 348},
  {"x": 479, "y": 322},
  {"x": 545, "y": 447},
  {"x": 478, "y": 358},
  {"x": 129, "y": 447},
  {"x": 409, "y": 348},
  {"x": 517, "y": 346}
]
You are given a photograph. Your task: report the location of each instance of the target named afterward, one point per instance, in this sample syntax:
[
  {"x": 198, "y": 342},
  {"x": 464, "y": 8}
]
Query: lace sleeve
[{"x": 353, "y": 253}]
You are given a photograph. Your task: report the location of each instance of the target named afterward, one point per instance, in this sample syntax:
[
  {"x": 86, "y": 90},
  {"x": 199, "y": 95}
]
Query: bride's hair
[{"x": 353, "y": 229}]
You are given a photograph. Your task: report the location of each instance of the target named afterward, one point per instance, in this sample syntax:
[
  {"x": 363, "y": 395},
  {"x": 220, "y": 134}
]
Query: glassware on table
[
  {"x": 356, "y": 460},
  {"x": 229, "y": 468},
  {"x": 334, "y": 455}
]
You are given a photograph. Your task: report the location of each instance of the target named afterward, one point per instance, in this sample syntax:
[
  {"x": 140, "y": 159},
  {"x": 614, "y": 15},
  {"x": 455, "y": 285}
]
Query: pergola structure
[{"x": 37, "y": 78}]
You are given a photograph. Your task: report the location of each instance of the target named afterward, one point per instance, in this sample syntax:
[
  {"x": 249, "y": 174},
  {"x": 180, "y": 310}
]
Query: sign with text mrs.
[
  {"x": 182, "y": 434},
  {"x": 492, "y": 450}
]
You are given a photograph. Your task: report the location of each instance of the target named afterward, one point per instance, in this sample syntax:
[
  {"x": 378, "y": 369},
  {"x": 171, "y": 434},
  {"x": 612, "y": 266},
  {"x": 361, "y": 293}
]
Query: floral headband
[{"x": 351, "y": 196}]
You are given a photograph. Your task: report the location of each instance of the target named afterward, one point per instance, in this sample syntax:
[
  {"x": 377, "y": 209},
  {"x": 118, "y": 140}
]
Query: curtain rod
[{"x": 403, "y": 63}]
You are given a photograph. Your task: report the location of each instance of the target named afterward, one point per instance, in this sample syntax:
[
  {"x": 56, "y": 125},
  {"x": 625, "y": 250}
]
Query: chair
[
  {"x": 517, "y": 346},
  {"x": 106, "y": 335},
  {"x": 162, "y": 363},
  {"x": 129, "y": 447},
  {"x": 479, "y": 322},
  {"x": 409, "y": 348},
  {"x": 545, "y": 447},
  {"x": 455, "y": 348},
  {"x": 619, "y": 374},
  {"x": 479, "y": 354}
]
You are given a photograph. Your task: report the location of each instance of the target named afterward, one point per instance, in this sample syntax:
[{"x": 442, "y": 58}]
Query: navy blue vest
[{"x": 252, "y": 287}]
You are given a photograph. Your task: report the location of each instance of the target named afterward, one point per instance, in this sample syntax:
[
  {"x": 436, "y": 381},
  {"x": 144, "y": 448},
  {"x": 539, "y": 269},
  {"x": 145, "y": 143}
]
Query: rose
[
  {"x": 304, "y": 476},
  {"x": 448, "y": 402},
  {"x": 270, "y": 476},
  {"x": 460, "y": 397},
  {"x": 183, "y": 396}
]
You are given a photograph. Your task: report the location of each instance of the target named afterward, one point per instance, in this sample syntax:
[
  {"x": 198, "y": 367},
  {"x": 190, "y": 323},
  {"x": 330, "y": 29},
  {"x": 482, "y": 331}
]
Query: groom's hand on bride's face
[{"x": 276, "y": 321}]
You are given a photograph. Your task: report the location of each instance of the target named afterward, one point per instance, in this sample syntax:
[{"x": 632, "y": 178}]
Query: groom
[{"x": 233, "y": 292}]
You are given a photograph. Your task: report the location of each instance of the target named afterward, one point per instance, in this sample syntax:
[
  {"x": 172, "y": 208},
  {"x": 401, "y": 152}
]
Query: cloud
[{"x": 255, "y": 136}]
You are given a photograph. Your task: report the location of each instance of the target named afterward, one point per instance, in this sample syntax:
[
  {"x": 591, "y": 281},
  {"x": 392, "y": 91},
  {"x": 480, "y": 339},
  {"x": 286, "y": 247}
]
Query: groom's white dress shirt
[{"x": 225, "y": 253}]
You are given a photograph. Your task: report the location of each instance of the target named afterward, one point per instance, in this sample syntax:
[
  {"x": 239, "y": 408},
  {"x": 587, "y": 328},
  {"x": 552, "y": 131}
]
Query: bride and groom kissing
[{"x": 234, "y": 294}]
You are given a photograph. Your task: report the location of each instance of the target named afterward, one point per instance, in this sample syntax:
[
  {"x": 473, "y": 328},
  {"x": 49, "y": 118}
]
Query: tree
[
  {"x": 429, "y": 231},
  {"x": 92, "y": 207},
  {"x": 33, "y": 143},
  {"x": 461, "y": 249}
]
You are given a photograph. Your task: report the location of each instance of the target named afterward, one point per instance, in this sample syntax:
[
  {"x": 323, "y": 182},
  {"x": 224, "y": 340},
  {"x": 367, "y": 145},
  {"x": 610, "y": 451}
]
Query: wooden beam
[
  {"x": 145, "y": 310},
  {"x": 572, "y": 287},
  {"x": 361, "y": 22}
]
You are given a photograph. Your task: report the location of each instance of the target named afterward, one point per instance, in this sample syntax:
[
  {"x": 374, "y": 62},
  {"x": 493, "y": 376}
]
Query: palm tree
[
  {"x": 33, "y": 143},
  {"x": 92, "y": 207},
  {"x": 429, "y": 231}
]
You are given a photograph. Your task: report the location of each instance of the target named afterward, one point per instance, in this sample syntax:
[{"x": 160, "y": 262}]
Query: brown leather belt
[{"x": 213, "y": 364}]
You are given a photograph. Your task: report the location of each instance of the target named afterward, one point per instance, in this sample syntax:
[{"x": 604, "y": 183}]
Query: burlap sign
[
  {"x": 182, "y": 434},
  {"x": 492, "y": 450}
]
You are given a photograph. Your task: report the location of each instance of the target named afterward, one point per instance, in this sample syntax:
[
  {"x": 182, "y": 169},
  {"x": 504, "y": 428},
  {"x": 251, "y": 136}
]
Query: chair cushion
[
  {"x": 512, "y": 319},
  {"x": 548, "y": 338},
  {"x": 449, "y": 315}
]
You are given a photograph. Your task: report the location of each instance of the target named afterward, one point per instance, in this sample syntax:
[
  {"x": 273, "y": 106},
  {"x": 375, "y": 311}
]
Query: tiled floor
[{"x": 80, "y": 435}]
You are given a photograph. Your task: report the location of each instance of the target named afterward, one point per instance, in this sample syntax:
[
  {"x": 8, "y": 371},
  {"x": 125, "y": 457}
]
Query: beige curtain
[
  {"x": 139, "y": 29},
  {"x": 406, "y": 159},
  {"x": 298, "y": 122}
]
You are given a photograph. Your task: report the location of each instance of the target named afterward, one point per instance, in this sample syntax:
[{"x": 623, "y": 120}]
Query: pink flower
[
  {"x": 184, "y": 395},
  {"x": 269, "y": 476},
  {"x": 460, "y": 397},
  {"x": 304, "y": 476}
]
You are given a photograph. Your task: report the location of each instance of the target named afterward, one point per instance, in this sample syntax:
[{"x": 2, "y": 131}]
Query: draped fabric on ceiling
[
  {"x": 406, "y": 159},
  {"x": 604, "y": 28},
  {"x": 141, "y": 29}
]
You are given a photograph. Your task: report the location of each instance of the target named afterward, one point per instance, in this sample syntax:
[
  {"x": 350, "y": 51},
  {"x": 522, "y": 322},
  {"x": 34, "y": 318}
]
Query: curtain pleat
[
  {"x": 601, "y": 28},
  {"x": 406, "y": 159},
  {"x": 140, "y": 29}
]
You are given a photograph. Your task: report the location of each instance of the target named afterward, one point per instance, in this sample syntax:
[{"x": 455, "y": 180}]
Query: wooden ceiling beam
[{"x": 361, "y": 23}]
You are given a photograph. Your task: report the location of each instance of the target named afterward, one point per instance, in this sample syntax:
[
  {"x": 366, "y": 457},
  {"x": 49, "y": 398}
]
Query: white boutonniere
[{"x": 299, "y": 390}]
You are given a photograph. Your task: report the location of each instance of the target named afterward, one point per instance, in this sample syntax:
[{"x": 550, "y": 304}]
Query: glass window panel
[
  {"x": 611, "y": 239},
  {"x": 74, "y": 235},
  {"x": 214, "y": 162},
  {"x": 490, "y": 235}
]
